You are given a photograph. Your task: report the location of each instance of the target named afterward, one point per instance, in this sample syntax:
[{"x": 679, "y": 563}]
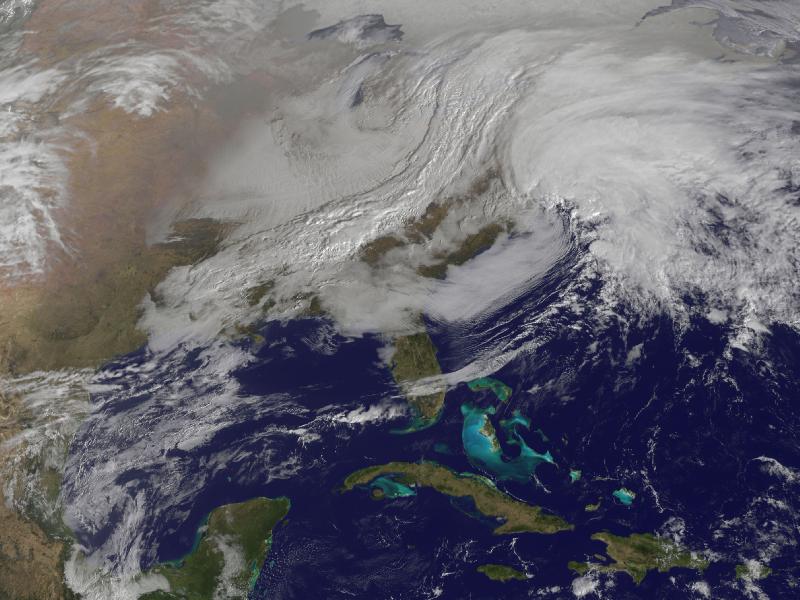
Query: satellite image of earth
[{"x": 345, "y": 299}]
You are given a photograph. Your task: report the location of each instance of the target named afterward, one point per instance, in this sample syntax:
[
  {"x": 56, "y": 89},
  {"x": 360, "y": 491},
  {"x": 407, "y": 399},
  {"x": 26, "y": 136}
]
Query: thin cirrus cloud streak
[{"x": 671, "y": 170}]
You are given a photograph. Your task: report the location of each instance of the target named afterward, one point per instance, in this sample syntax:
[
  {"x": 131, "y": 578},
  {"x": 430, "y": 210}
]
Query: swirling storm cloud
[{"x": 596, "y": 202}]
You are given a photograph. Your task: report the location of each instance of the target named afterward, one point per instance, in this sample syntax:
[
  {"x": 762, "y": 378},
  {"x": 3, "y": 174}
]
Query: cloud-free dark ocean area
[
  {"x": 588, "y": 209},
  {"x": 702, "y": 433}
]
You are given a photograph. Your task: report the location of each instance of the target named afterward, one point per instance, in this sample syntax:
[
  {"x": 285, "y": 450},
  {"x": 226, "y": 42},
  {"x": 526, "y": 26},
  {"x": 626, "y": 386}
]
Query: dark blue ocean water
[{"x": 673, "y": 413}]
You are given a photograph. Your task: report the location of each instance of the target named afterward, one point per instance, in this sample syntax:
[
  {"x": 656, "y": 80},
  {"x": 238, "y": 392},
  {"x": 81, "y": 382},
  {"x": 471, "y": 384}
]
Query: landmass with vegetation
[
  {"x": 639, "y": 553},
  {"x": 420, "y": 230},
  {"x": 498, "y": 388},
  {"x": 469, "y": 248},
  {"x": 501, "y": 573},
  {"x": 516, "y": 516},
  {"x": 752, "y": 570},
  {"x": 414, "y": 359},
  {"x": 228, "y": 555}
]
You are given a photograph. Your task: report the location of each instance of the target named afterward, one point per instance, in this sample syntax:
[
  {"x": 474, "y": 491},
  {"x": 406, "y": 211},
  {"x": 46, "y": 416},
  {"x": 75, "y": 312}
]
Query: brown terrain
[
  {"x": 83, "y": 311},
  {"x": 30, "y": 561},
  {"x": 122, "y": 169}
]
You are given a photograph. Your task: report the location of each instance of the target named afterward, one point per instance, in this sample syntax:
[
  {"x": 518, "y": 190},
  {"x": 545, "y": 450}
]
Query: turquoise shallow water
[
  {"x": 624, "y": 495},
  {"x": 484, "y": 450},
  {"x": 391, "y": 488},
  {"x": 500, "y": 389},
  {"x": 198, "y": 537},
  {"x": 442, "y": 448},
  {"x": 515, "y": 419}
]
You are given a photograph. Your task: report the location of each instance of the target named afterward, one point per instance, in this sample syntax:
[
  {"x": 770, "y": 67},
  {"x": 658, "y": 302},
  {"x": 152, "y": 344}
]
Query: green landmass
[
  {"x": 373, "y": 252},
  {"x": 415, "y": 358},
  {"x": 315, "y": 307},
  {"x": 245, "y": 527},
  {"x": 501, "y": 572},
  {"x": 257, "y": 292},
  {"x": 752, "y": 570},
  {"x": 500, "y": 389},
  {"x": 469, "y": 248},
  {"x": 489, "y": 433},
  {"x": 517, "y": 516},
  {"x": 592, "y": 507},
  {"x": 159, "y": 595},
  {"x": 580, "y": 568},
  {"x": 249, "y": 331},
  {"x": 638, "y": 553},
  {"x": 423, "y": 228},
  {"x": 417, "y": 231}
]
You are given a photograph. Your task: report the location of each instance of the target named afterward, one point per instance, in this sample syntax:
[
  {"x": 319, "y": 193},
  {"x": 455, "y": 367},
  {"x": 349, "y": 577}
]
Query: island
[
  {"x": 483, "y": 449},
  {"x": 752, "y": 570},
  {"x": 498, "y": 388},
  {"x": 593, "y": 507},
  {"x": 625, "y": 496},
  {"x": 638, "y": 553},
  {"x": 228, "y": 553},
  {"x": 501, "y": 572},
  {"x": 516, "y": 516}
]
